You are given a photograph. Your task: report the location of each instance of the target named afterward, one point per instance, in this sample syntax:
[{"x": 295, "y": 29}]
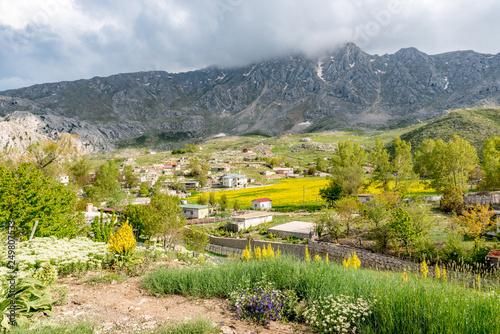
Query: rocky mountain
[{"x": 346, "y": 88}]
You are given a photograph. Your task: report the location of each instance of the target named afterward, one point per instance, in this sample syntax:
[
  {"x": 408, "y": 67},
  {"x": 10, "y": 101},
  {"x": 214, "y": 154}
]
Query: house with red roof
[
  {"x": 262, "y": 204},
  {"x": 172, "y": 166}
]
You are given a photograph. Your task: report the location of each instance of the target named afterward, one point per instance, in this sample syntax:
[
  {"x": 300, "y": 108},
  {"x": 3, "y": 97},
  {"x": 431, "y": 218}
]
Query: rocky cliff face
[{"x": 295, "y": 94}]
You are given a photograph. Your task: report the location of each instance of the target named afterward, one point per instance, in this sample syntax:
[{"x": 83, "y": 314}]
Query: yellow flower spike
[
  {"x": 270, "y": 251},
  {"x": 444, "y": 274},
  {"x": 258, "y": 253},
  {"x": 264, "y": 252},
  {"x": 246, "y": 254},
  {"x": 317, "y": 258},
  {"x": 308, "y": 256},
  {"x": 278, "y": 252},
  {"x": 424, "y": 269},
  {"x": 438, "y": 272},
  {"x": 326, "y": 258},
  {"x": 405, "y": 276}
]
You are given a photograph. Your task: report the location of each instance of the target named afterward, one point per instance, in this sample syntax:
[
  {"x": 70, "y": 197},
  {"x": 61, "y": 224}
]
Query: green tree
[
  {"x": 131, "y": 180},
  {"x": 138, "y": 216},
  {"x": 211, "y": 199},
  {"x": 44, "y": 153},
  {"x": 347, "y": 166},
  {"x": 450, "y": 164},
  {"x": 321, "y": 164},
  {"x": 79, "y": 170},
  {"x": 404, "y": 228},
  {"x": 491, "y": 164},
  {"x": 195, "y": 239},
  {"x": 379, "y": 158},
  {"x": 202, "y": 199},
  {"x": 331, "y": 193},
  {"x": 376, "y": 211},
  {"x": 106, "y": 185},
  {"x": 236, "y": 205},
  {"x": 144, "y": 190},
  {"x": 166, "y": 220},
  {"x": 27, "y": 196},
  {"x": 347, "y": 208},
  {"x": 103, "y": 229},
  {"x": 328, "y": 221},
  {"x": 223, "y": 202},
  {"x": 402, "y": 163},
  {"x": 423, "y": 158}
]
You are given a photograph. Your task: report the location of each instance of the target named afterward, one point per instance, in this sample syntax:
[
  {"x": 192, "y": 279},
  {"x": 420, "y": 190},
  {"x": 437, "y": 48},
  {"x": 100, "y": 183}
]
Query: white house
[
  {"x": 262, "y": 204},
  {"x": 64, "y": 179},
  {"x": 234, "y": 181},
  {"x": 196, "y": 211},
  {"x": 242, "y": 222}
]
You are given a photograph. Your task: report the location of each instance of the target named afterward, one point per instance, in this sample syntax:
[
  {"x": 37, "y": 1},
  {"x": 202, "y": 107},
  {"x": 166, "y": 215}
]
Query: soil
[{"x": 126, "y": 308}]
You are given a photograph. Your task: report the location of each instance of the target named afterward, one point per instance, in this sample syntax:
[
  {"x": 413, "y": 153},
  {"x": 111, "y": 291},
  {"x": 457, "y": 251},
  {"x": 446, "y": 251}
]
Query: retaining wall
[{"x": 335, "y": 253}]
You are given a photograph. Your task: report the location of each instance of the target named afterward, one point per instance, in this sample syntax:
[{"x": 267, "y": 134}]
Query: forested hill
[{"x": 475, "y": 125}]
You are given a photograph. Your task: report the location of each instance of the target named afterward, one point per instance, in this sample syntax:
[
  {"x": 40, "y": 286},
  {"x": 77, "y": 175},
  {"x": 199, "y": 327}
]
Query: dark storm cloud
[{"x": 66, "y": 40}]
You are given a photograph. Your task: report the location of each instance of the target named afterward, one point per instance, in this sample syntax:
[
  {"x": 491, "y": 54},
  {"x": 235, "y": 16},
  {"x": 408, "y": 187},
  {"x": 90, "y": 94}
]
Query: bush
[
  {"x": 453, "y": 251},
  {"x": 337, "y": 314},
  {"x": 195, "y": 239},
  {"x": 452, "y": 201},
  {"x": 425, "y": 249}
]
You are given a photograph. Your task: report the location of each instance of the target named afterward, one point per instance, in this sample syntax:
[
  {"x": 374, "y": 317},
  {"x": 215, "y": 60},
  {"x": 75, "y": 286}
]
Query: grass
[
  {"x": 106, "y": 279},
  {"x": 197, "y": 326},
  {"x": 48, "y": 327},
  {"x": 417, "y": 306}
]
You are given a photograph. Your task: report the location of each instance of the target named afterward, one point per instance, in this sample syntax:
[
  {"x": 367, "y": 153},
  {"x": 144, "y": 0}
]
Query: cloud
[{"x": 53, "y": 40}]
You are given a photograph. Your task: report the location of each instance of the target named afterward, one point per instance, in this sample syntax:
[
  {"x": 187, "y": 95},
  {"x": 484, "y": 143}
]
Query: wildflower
[
  {"x": 444, "y": 274},
  {"x": 246, "y": 254},
  {"x": 317, "y": 258},
  {"x": 307, "y": 255},
  {"x": 424, "y": 269},
  {"x": 405, "y": 276},
  {"x": 258, "y": 253},
  {"x": 326, "y": 258},
  {"x": 438, "y": 272}
]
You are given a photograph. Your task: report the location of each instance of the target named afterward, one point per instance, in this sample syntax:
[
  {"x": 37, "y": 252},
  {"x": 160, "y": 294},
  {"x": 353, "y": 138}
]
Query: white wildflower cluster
[
  {"x": 341, "y": 314},
  {"x": 65, "y": 255}
]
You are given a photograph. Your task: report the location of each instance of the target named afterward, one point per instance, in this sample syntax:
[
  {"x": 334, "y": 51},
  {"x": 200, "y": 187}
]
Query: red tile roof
[
  {"x": 171, "y": 164},
  {"x": 260, "y": 200},
  {"x": 494, "y": 253}
]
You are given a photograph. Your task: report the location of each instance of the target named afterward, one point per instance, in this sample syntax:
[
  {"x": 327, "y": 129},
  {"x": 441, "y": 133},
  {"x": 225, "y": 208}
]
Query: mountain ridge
[{"x": 342, "y": 89}]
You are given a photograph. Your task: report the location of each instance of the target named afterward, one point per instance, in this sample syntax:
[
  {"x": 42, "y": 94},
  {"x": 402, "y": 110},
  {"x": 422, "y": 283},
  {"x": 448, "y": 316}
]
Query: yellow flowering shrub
[{"x": 123, "y": 240}]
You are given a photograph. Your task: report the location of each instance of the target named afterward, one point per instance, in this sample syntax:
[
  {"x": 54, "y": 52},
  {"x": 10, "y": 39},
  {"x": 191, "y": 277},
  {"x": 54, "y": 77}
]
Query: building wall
[
  {"x": 261, "y": 205},
  {"x": 195, "y": 213}
]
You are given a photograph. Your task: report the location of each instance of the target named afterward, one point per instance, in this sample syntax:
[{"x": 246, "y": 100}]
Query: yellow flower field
[{"x": 289, "y": 193}]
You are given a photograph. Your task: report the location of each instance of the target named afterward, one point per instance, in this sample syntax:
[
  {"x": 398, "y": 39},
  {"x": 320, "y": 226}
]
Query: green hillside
[{"x": 474, "y": 125}]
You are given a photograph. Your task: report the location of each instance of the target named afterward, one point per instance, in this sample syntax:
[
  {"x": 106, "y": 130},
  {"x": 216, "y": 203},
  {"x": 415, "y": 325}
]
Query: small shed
[
  {"x": 196, "y": 211},
  {"x": 493, "y": 257},
  {"x": 365, "y": 198},
  {"x": 262, "y": 204},
  {"x": 244, "y": 221}
]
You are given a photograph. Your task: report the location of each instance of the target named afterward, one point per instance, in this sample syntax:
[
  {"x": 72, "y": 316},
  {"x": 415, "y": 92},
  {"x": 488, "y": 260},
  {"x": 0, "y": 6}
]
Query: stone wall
[{"x": 335, "y": 253}]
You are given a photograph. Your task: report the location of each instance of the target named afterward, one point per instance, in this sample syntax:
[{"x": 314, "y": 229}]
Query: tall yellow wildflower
[
  {"x": 123, "y": 240},
  {"x": 352, "y": 261},
  {"x": 308, "y": 256},
  {"x": 246, "y": 254},
  {"x": 264, "y": 252},
  {"x": 270, "y": 251},
  {"x": 317, "y": 258},
  {"x": 258, "y": 253},
  {"x": 278, "y": 252},
  {"x": 424, "y": 269},
  {"x": 326, "y": 258},
  {"x": 444, "y": 274},
  {"x": 438, "y": 272},
  {"x": 405, "y": 276}
]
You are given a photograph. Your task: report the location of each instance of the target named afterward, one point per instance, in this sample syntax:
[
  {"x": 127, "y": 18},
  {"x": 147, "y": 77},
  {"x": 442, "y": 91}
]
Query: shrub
[
  {"x": 452, "y": 201},
  {"x": 337, "y": 314},
  {"x": 195, "y": 239},
  {"x": 123, "y": 241}
]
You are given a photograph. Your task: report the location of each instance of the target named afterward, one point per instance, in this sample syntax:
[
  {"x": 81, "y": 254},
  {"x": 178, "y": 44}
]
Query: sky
[{"x": 56, "y": 40}]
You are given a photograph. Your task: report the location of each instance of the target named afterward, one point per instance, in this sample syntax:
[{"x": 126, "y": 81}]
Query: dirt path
[{"x": 126, "y": 308}]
